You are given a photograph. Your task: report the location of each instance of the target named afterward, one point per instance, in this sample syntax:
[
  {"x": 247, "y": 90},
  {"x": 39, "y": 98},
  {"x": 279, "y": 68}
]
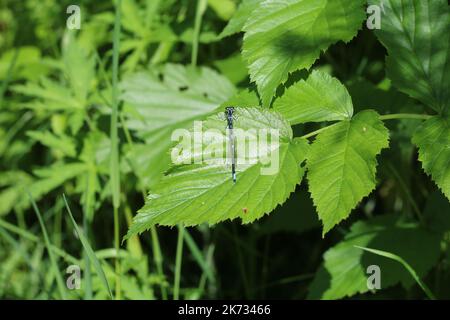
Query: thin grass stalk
[{"x": 114, "y": 165}]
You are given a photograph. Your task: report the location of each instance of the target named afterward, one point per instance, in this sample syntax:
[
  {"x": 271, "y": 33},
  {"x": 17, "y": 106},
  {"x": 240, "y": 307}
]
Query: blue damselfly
[{"x": 230, "y": 116}]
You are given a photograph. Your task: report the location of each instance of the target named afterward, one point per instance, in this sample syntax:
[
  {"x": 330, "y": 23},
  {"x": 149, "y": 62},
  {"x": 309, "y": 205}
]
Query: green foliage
[
  {"x": 112, "y": 112},
  {"x": 27, "y": 64},
  {"x": 344, "y": 271},
  {"x": 146, "y": 28},
  {"x": 90, "y": 253},
  {"x": 62, "y": 144}
]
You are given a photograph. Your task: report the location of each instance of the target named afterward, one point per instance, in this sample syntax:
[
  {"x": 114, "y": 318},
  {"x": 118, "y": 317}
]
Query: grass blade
[
  {"x": 413, "y": 273},
  {"x": 31, "y": 237},
  {"x": 87, "y": 262},
  {"x": 198, "y": 256},
  {"x": 88, "y": 249},
  {"x": 178, "y": 261},
  {"x": 114, "y": 164},
  {"x": 201, "y": 8},
  {"x": 53, "y": 262}
]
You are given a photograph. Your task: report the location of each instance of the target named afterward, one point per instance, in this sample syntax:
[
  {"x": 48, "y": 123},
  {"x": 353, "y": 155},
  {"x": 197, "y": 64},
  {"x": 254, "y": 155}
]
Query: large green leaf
[
  {"x": 282, "y": 36},
  {"x": 344, "y": 271},
  {"x": 433, "y": 140},
  {"x": 160, "y": 101},
  {"x": 416, "y": 35},
  {"x": 319, "y": 98},
  {"x": 197, "y": 193},
  {"x": 342, "y": 165}
]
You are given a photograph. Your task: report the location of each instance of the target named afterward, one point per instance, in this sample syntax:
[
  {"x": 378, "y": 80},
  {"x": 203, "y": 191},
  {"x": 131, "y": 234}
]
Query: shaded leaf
[
  {"x": 284, "y": 36},
  {"x": 415, "y": 33},
  {"x": 344, "y": 270},
  {"x": 433, "y": 140}
]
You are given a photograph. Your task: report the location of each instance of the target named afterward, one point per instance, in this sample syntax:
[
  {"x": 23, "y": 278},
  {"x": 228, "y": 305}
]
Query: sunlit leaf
[
  {"x": 342, "y": 165},
  {"x": 319, "y": 98},
  {"x": 197, "y": 193}
]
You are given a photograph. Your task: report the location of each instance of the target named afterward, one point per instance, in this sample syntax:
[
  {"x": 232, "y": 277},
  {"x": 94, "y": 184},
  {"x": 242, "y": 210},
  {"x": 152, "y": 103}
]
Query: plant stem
[
  {"x": 114, "y": 165},
  {"x": 117, "y": 260},
  {"x": 178, "y": 260},
  {"x": 157, "y": 256},
  {"x": 87, "y": 262},
  {"x": 314, "y": 133},
  {"x": 241, "y": 263},
  {"x": 201, "y": 7},
  {"x": 398, "y": 116},
  {"x": 394, "y": 116}
]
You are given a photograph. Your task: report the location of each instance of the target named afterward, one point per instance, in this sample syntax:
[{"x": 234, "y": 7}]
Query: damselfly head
[{"x": 229, "y": 111}]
